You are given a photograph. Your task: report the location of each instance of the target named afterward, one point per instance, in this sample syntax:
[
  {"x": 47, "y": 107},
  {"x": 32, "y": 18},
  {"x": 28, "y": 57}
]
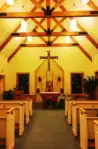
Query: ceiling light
[
  {"x": 23, "y": 26},
  {"x": 67, "y": 39},
  {"x": 85, "y": 1},
  {"x": 73, "y": 24},
  {"x": 10, "y": 2},
  {"x": 29, "y": 39}
]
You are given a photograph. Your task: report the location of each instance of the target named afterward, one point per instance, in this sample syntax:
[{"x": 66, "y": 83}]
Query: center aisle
[{"x": 48, "y": 129}]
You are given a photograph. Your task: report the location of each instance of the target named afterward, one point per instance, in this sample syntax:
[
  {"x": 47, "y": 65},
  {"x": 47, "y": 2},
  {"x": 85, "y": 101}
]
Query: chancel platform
[{"x": 50, "y": 99}]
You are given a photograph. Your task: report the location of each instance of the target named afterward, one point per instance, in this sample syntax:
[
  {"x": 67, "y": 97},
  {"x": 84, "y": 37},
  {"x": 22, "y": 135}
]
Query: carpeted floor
[{"x": 48, "y": 129}]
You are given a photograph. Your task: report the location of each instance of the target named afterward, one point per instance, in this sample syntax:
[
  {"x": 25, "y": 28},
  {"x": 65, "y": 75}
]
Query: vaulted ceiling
[{"x": 49, "y": 26}]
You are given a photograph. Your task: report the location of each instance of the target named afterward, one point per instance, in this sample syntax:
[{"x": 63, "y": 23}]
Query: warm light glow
[
  {"x": 23, "y": 26},
  {"x": 29, "y": 39},
  {"x": 10, "y": 2},
  {"x": 85, "y": 1},
  {"x": 67, "y": 39},
  {"x": 73, "y": 24}
]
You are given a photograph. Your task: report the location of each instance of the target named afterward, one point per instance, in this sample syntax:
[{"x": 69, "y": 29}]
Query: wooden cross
[{"x": 48, "y": 58}]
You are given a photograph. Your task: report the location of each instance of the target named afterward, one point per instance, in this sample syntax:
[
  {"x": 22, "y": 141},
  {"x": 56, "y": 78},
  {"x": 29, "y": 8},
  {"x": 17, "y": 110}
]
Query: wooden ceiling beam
[
  {"x": 14, "y": 53},
  {"x": 92, "y": 5},
  {"x": 54, "y": 14},
  {"x": 82, "y": 50},
  {"x": 39, "y": 24},
  {"x": 52, "y": 45},
  {"x": 4, "y": 7},
  {"x": 73, "y": 39},
  {"x": 80, "y": 26},
  {"x": 34, "y": 34},
  {"x": 57, "y": 23},
  {"x": 10, "y": 37},
  {"x": 88, "y": 36},
  {"x": 37, "y": 4},
  {"x": 48, "y": 19},
  {"x": 57, "y": 4},
  {"x": 16, "y": 29}
]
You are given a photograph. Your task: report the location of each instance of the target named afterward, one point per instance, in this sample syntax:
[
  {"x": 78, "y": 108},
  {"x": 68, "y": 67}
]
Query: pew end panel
[
  {"x": 86, "y": 129},
  {"x": 75, "y": 113},
  {"x": 7, "y": 123},
  {"x": 19, "y": 115},
  {"x": 96, "y": 133}
]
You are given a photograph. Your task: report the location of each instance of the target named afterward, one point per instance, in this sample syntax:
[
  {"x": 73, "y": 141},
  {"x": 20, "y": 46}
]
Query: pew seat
[
  {"x": 87, "y": 131},
  {"x": 7, "y": 128},
  {"x": 25, "y": 105},
  {"x": 96, "y": 133},
  {"x": 29, "y": 103},
  {"x": 75, "y": 113},
  {"x": 19, "y": 115},
  {"x": 70, "y": 102}
]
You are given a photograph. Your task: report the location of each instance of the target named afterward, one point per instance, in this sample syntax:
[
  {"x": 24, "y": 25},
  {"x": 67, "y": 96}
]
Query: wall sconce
[
  {"x": 39, "y": 79},
  {"x": 59, "y": 78}
]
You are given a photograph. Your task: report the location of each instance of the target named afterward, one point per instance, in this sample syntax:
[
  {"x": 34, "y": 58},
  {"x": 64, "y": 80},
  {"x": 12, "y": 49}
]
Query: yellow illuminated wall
[{"x": 71, "y": 59}]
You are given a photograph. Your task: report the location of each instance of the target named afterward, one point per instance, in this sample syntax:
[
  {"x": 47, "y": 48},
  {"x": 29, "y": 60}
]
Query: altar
[
  {"x": 50, "y": 98},
  {"x": 49, "y": 80}
]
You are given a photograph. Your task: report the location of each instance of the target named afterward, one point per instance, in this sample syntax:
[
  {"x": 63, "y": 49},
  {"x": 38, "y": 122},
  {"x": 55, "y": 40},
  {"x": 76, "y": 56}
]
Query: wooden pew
[
  {"x": 24, "y": 98},
  {"x": 7, "y": 127},
  {"x": 87, "y": 118},
  {"x": 75, "y": 112},
  {"x": 25, "y": 104},
  {"x": 70, "y": 102},
  {"x": 96, "y": 133},
  {"x": 66, "y": 104},
  {"x": 19, "y": 115}
]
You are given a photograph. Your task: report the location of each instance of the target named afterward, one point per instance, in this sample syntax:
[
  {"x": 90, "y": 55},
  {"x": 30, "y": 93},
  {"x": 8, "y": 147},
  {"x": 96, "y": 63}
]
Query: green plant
[
  {"x": 90, "y": 86},
  {"x": 8, "y": 95}
]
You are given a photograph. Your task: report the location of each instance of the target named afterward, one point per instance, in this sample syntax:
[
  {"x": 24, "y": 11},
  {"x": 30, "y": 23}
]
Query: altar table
[{"x": 50, "y": 98}]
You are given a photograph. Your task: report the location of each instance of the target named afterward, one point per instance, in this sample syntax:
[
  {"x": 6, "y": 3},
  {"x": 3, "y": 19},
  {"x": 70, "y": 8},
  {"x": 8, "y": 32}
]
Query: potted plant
[
  {"x": 8, "y": 95},
  {"x": 90, "y": 86}
]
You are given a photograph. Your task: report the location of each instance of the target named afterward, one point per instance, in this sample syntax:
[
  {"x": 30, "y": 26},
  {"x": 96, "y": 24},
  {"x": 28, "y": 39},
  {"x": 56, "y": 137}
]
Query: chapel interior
[{"x": 48, "y": 74}]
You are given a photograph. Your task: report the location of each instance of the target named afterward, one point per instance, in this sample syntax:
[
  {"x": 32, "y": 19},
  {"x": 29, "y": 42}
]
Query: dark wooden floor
[{"x": 48, "y": 129}]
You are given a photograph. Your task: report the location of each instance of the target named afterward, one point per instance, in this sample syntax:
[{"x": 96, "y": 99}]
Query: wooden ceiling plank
[
  {"x": 80, "y": 26},
  {"x": 54, "y": 14}
]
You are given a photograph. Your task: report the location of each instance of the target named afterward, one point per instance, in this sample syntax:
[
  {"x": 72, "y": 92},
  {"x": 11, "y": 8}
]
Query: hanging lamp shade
[
  {"x": 10, "y": 2},
  {"x": 67, "y": 38},
  {"x": 29, "y": 39},
  {"x": 23, "y": 26},
  {"x": 73, "y": 24},
  {"x": 85, "y": 1}
]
